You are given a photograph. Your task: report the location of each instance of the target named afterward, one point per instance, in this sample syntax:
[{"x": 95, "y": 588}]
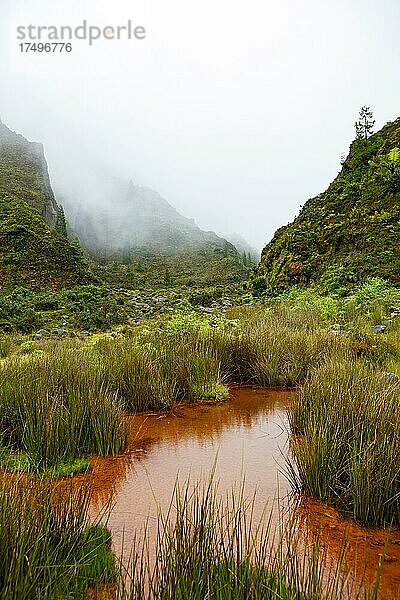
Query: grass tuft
[
  {"x": 211, "y": 547},
  {"x": 48, "y": 547},
  {"x": 345, "y": 449}
]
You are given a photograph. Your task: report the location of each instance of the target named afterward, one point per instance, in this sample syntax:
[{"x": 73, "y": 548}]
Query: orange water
[{"x": 247, "y": 435}]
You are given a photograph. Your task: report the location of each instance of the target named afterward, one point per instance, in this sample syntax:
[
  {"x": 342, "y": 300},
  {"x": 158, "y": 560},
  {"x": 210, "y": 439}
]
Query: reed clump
[
  {"x": 275, "y": 348},
  {"x": 48, "y": 547},
  {"x": 346, "y": 440},
  {"x": 210, "y": 546},
  {"x": 54, "y": 410},
  {"x": 61, "y": 401}
]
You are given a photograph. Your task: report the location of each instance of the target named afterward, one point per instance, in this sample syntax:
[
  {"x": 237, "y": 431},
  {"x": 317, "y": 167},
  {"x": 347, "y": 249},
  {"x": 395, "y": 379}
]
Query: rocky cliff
[
  {"x": 119, "y": 221},
  {"x": 33, "y": 249},
  {"x": 24, "y": 173}
]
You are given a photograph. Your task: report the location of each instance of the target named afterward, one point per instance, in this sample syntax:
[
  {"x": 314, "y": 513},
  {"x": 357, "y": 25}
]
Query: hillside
[
  {"x": 349, "y": 232},
  {"x": 243, "y": 247},
  {"x": 117, "y": 221},
  {"x": 34, "y": 250},
  {"x": 122, "y": 216}
]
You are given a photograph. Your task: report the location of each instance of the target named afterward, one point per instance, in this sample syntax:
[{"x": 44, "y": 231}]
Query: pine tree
[
  {"x": 364, "y": 126},
  {"x": 61, "y": 223}
]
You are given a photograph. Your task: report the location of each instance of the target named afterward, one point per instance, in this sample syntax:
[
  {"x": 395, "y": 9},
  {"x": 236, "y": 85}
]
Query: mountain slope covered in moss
[
  {"x": 348, "y": 233},
  {"x": 34, "y": 250}
]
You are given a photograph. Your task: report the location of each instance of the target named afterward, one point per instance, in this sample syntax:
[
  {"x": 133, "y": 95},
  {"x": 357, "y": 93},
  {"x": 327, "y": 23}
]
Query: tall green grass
[
  {"x": 137, "y": 376},
  {"x": 48, "y": 547},
  {"x": 207, "y": 546},
  {"x": 212, "y": 547},
  {"x": 6, "y": 345},
  {"x": 346, "y": 441},
  {"x": 62, "y": 400},
  {"x": 52, "y": 411},
  {"x": 150, "y": 373},
  {"x": 69, "y": 401},
  {"x": 276, "y": 347}
]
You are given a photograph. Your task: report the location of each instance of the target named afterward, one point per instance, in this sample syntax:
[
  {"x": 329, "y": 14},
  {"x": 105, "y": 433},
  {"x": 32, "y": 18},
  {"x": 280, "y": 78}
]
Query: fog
[{"x": 235, "y": 112}]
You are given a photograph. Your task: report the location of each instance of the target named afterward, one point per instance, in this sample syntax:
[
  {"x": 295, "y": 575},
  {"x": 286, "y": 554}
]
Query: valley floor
[{"x": 64, "y": 401}]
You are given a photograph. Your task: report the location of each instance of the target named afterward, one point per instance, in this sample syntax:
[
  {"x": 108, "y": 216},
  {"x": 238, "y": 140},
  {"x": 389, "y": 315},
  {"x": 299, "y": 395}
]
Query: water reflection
[{"x": 247, "y": 434}]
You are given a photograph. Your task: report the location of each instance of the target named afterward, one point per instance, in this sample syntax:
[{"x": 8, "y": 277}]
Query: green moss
[
  {"x": 348, "y": 233},
  {"x": 15, "y": 463},
  {"x": 20, "y": 462},
  {"x": 67, "y": 469},
  {"x": 210, "y": 391},
  {"x": 34, "y": 250},
  {"x": 32, "y": 253}
]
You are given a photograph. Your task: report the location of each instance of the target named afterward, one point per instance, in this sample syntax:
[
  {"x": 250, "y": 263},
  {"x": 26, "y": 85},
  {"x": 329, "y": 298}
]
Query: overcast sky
[{"x": 236, "y": 112}]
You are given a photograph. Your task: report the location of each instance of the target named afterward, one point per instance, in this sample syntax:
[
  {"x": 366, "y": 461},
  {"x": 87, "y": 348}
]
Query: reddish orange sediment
[
  {"x": 365, "y": 548},
  {"x": 244, "y": 435},
  {"x": 247, "y": 435}
]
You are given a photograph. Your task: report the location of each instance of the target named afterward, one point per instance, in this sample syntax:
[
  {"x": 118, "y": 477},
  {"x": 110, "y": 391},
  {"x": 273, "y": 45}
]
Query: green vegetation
[
  {"x": 346, "y": 420},
  {"x": 54, "y": 409},
  {"x": 33, "y": 253},
  {"x": 141, "y": 242},
  {"x": 215, "y": 549},
  {"x": 63, "y": 399},
  {"x": 138, "y": 237},
  {"x": 34, "y": 249},
  {"x": 365, "y": 124},
  {"x": 22, "y": 462},
  {"x": 98, "y": 308},
  {"x": 24, "y": 175},
  {"x": 48, "y": 547},
  {"x": 348, "y": 233},
  {"x": 206, "y": 546},
  {"x": 320, "y": 315},
  {"x": 211, "y": 263},
  {"x": 61, "y": 223}
]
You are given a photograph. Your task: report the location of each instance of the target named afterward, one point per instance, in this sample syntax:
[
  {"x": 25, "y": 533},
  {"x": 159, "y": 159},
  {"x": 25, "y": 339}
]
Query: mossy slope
[
  {"x": 32, "y": 252},
  {"x": 349, "y": 232}
]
